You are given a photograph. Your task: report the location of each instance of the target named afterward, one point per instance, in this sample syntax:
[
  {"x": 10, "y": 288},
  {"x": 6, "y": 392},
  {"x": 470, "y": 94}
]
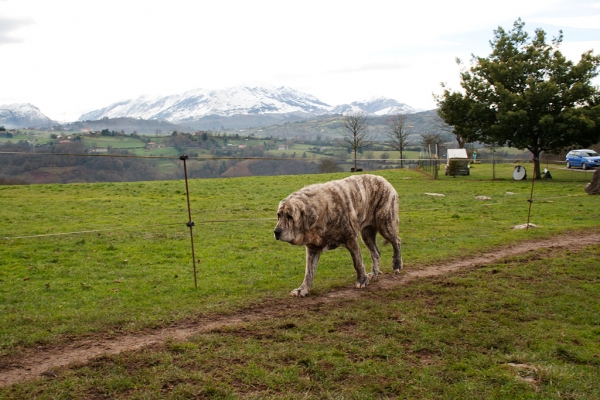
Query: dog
[{"x": 328, "y": 215}]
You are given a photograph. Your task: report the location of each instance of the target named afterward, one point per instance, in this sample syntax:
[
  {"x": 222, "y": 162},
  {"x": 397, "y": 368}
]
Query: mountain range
[
  {"x": 23, "y": 115},
  {"x": 236, "y": 107}
]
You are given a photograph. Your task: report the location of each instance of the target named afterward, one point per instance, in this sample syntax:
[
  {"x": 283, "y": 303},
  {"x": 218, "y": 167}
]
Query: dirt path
[{"x": 36, "y": 362}]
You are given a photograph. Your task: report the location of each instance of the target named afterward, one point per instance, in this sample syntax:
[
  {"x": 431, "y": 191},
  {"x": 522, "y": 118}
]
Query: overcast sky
[{"x": 68, "y": 57}]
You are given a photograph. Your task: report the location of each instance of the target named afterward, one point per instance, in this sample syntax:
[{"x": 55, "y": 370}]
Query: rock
[
  {"x": 434, "y": 194},
  {"x": 524, "y": 226},
  {"x": 594, "y": 186},
  {"x": 483, "y": 198}
]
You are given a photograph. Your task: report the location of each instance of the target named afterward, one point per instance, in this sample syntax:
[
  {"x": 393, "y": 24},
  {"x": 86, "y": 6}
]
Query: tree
[
  {"x": 433, "y": 140},
  {"x": 448, "y": 130},
  {"x": 356, "y": 133},
  {"x": 328, "y": 165},
  {"x": 398, "y": 133},
  {"x": 526, "y": 94}
]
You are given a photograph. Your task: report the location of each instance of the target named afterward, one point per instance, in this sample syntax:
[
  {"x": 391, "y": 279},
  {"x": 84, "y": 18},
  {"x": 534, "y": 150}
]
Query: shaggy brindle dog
[{"x": 325, "y": 216}]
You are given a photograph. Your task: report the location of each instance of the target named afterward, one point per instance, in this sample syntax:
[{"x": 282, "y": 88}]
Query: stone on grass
[{"x": 524, "y": 226}]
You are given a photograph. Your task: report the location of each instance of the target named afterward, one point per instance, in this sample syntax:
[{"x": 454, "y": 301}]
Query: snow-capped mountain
[
  {"x": 195, "y": 104},
  {"x": 248, "y": 100},
  {"x": 23, "y": 115},
  {"x": 375, "y": 106}
]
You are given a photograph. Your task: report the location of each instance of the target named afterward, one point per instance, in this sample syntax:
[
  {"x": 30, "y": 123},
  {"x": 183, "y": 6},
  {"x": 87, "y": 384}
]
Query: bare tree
[
  {"x": 398, "y": 133},
  {"x": 356, "y": 133},
  {"x": 433, "y": 140},
  {"x": 448, "y": 130}
]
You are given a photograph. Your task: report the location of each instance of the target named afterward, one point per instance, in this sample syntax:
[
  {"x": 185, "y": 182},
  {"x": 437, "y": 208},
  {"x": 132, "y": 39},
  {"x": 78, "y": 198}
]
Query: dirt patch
[{"x": 38, "y": 362}]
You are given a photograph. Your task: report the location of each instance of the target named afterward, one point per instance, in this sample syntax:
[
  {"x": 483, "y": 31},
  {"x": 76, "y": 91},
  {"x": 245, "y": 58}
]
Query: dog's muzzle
[{"x": 277, "y": 233}]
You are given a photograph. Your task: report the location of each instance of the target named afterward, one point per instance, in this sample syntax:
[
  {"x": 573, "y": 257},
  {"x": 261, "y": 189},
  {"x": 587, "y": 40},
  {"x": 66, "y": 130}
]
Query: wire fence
[
  {"x": 429, "y": 166},
  {"x": 204, "y": 167}
]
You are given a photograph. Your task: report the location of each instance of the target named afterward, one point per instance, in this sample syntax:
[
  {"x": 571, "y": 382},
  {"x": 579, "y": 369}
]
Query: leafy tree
[
  {"x": 526, "y": 94},
  {"x": 356, "y": 133},
  {"x": 398, "y": 133}
]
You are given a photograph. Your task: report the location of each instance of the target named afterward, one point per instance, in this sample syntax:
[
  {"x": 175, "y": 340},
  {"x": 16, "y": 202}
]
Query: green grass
[
  {"x": 117, "y": 142},
  {"x": 135, "y": 271},
  {"x": 526, "y": 328},
  {"x": 504, "y": 171},
  {"x": 450, "y": 337},
  {"x": 163, "y": 151}
]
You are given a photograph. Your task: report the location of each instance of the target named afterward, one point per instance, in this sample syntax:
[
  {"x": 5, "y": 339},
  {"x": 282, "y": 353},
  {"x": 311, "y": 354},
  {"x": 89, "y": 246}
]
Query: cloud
[{"x": 8, "y": 26}]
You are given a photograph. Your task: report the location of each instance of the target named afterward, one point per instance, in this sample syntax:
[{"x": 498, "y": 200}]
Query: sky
[{"x": 69, "y": 57}]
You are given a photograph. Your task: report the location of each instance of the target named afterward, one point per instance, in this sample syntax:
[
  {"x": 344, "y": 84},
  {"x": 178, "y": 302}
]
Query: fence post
[
  {"x": 530, "y": 197},
  {"x": 190, "y": 224}
]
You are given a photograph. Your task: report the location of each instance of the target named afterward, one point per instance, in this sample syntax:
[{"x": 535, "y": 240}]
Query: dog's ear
[{"x": 310, "y": 217}]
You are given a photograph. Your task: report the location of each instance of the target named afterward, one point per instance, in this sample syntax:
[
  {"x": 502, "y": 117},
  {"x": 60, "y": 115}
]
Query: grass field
[
  {"x": 134, "y": 270},
  {"x": 117, "y": 142}
]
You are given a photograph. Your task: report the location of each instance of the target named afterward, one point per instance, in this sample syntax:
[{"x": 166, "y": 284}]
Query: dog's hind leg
[
  {"x": 389, "y": 231},
  {"x": 312, "y": 259},
  {"x": 362, "y": 280},
  {"x": 369, "y": 238}
]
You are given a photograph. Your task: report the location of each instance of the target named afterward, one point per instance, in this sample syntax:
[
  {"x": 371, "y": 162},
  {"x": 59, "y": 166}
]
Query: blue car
[{"x": 583, "y": 158}]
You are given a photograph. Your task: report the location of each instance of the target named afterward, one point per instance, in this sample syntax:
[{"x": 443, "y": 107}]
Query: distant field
[
  {"x": 117, "y": 142},
  {"x": 164, "y": 151},
  {"x": 36, "y": 136}
]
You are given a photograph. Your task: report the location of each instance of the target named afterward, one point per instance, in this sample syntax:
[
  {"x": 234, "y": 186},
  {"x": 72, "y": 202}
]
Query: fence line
[
  {"x": 204, "y": 158},
  {"x": 245, "y": 220}
]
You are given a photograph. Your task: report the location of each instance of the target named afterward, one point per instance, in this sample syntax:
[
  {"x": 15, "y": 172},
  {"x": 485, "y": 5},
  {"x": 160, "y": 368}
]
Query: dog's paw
[
  {"x": 373, "y": 277},
  {"x": 362, "y": 284},
  {"x": 300, "y": 292},
  {"x": 397, "y": 269}
]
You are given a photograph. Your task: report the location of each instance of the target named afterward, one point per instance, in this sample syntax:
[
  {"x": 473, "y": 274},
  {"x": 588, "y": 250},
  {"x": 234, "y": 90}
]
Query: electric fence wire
[
  {"x": 250, "y": 220},
  {"x": 199, "y": 158}
]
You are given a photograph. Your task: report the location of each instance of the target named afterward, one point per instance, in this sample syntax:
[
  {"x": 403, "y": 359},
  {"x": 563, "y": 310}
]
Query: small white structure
[{"x": 458, "y": 163}]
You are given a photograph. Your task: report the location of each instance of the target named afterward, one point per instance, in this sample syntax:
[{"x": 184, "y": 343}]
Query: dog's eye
[{"x": 289, "y": 217}]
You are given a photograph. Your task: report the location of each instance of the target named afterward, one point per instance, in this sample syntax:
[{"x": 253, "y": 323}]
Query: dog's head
[{"x": 294, "y": 219}]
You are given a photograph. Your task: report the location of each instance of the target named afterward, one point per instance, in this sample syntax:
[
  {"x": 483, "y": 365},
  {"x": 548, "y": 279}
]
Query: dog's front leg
[{"x": 312, "y": 259}]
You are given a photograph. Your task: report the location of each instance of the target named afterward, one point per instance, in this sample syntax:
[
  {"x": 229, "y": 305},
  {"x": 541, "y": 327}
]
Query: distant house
[
  {"x": 86, "y": 130},
  {"x": 98, "y": 150},
  {"x": 151, "y": 145},
  {"x": 242, "y": 146},
  {"x": 282, "y": 147},
  {"x": 64, "y": 141}
]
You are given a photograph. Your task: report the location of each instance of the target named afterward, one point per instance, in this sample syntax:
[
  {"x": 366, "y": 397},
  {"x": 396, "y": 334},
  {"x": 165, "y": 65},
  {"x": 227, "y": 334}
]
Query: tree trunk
[{"x": 536, "y": 165}]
